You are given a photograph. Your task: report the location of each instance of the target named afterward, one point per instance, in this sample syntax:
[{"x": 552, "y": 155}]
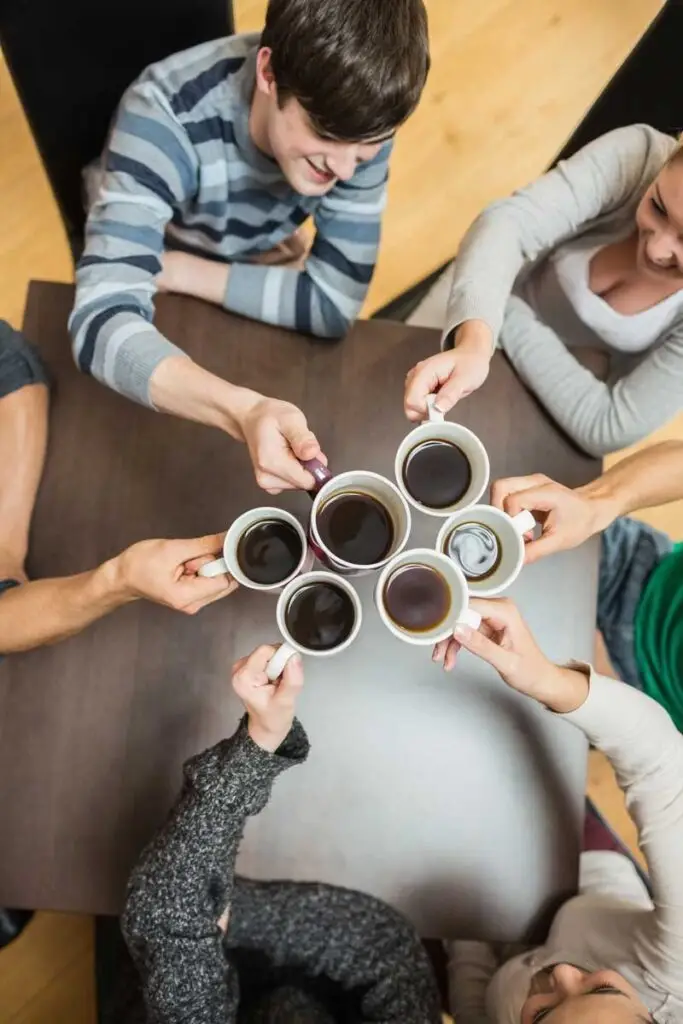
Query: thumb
[
  {"x": 452, "y": 391},
  {"x": 302, "y": 441},
  {"x": 292, "y": 679},
  {"x": 547, "y": 544},
  {"x": 479, "y": 645},
  {"x": 534, "y": 499},
  {"x": 211, "y": 544}
]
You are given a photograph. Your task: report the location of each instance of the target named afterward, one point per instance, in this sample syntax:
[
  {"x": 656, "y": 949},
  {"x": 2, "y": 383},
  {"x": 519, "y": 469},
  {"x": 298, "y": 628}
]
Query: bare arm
[
  {"x": 650, "y": 477},
  {"x": 165, "y": 571}
]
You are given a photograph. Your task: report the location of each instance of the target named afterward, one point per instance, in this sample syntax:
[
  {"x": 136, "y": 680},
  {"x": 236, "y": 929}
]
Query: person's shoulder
[
  {"x": 637, "y": 147},
  {"x": 183, "y": 79}
]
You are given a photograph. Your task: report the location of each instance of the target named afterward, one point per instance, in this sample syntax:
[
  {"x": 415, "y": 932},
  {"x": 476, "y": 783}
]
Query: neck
[{"x": 258, "y": 120}]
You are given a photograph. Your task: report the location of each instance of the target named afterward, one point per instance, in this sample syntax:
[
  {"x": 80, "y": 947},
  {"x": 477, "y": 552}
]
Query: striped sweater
[{"x": 180, "y": 169}]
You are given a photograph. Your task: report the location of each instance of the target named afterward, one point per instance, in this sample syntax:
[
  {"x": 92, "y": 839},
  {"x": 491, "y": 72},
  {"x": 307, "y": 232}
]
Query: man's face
[{"x": 312, "y": 165}]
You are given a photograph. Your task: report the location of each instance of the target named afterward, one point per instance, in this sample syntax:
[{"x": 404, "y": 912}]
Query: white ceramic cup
[
  {"x": 510, "y": 532},
  {"x": 359, "y": 481},
  {"x": 290, "y": 647},
  {"x": 436, "y": 428},
  {"x": 457, "y": 585},
  {"x": 229, "y": 562}
]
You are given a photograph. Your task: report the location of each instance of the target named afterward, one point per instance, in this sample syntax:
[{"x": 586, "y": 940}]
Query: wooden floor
[{"x": 510, "y": 80}]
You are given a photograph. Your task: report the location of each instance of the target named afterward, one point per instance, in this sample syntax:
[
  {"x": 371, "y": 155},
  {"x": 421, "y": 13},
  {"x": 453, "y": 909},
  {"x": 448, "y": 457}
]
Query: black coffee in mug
[
  {"x": 417, "y": 598},
  {"x": 320, "y": 616},
  {"x": 437, "y": 474},
  {"x": 476, "y": 549},
  {"x": 269, "y": 552},
  {"x": 356, "y": 527}
]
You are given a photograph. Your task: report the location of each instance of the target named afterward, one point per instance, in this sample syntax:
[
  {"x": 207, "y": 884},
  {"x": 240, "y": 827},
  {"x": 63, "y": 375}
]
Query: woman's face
[
  {"x": 659, "y": 219},
  {"x": 564, "y": 994}
]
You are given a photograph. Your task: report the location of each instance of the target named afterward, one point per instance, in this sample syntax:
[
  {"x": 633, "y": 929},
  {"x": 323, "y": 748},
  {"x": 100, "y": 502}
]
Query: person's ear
[{"x": 265, "y": 79}]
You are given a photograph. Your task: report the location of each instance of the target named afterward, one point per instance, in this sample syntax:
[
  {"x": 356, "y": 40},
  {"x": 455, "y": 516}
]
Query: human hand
[
  {"x": 270, "y": 706},
  {"x": 505, "y": 642},
  {"x": 278, "y": 438},
  {"x": 567, "y": 517},
  {"x": 165, "y": 571},
  {"x": 450, "y": 375},
  {"x": 292, "y": 252}
]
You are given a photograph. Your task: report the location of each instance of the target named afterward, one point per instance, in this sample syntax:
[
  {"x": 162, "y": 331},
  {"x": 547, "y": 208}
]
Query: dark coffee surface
[
  {"x": 320, "y": 616},
  {"x": 269, "y": 552},
  {"x": 417, "y": 598},
  {"x": 437, "y": 473},
  {"x": 356, "y": 527},
  {"x": 476, "y": 549}
]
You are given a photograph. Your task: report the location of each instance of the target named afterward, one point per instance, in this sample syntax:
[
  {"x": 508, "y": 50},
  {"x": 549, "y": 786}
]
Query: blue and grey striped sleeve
[
  {"x": 111, "y": 324},
  {"x": 326, "y": 297}
]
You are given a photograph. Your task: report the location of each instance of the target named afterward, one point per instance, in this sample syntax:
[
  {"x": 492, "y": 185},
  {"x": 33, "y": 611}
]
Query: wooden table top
[{"x": 93, "y": 732}]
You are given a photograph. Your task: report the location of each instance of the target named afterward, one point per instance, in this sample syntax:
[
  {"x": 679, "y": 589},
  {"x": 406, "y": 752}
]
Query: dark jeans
[{"x": 630, "y": 551}]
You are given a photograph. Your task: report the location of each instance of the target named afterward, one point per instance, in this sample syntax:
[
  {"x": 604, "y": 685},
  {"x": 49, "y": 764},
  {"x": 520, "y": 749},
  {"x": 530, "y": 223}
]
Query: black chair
[
  {"x": 71, "y": 61},
  {"x": 645, "y": 89}
]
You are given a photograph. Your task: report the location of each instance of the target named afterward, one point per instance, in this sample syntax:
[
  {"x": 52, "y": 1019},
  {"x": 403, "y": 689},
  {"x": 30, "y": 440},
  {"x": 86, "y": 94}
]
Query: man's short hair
[{"x": 357, "y": 67}]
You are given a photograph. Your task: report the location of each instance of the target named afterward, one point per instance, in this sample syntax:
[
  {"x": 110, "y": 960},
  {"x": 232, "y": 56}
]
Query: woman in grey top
[
  {"x": 213, "y": 948},
  {"x": 589, "y": 254}
]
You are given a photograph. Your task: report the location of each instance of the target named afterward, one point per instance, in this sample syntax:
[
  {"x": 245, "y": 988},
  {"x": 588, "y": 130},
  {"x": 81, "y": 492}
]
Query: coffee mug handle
[
  {"x": 523, "y": 522},
  {"x": 470, "y": 618},
  {"x": 278, "y": 662},
  {"x": 219, "y": 567},
  {"x": 320, "y": 473},
  {"x": 434, "y": 415}
]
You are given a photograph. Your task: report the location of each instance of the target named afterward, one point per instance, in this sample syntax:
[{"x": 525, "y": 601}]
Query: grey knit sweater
[{"x": 294, "y": 953}]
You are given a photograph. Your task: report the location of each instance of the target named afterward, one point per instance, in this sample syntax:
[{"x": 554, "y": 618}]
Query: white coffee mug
[
  {"x": 436, "y": 428},
  {"x": 229, "y": 562},
  {"x": 509, "y": 531},
  {"x": 457, "y": 587},
  {"x": 358, "y": 481},
  {"x": 290, "y": 647}
]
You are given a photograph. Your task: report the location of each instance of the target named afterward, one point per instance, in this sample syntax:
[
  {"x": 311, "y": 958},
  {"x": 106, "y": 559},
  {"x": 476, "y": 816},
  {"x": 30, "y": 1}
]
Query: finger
[
  {"x": 211, "y": 544},
  {"x": 421, "y": 382},
  {"x": 197, "y": 606},
  {"x": 439, "y": 652},
  {"x": 452, "y": 391},
  {"x": 547, "y": 544},
  {"x": 502, "y": 489},
  {"x": 482, "y": 647},
  {"x": 192, "y": 566},
  {"x": 537, "y": 499},
  {"x": 451, "y": 654},
  {"x": 291, "y": 680},
  {"x": 497, "y": 613},
  {"x": 256, "y": 663},
  {"x": 201, "y": 590}
]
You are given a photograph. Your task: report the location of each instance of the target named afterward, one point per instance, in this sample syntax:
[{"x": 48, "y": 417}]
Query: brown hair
[{"x": 357, "y": 67}]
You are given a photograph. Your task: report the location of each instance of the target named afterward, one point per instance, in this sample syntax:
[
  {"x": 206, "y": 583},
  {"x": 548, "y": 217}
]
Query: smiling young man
[{"x": 219, "y": 155}]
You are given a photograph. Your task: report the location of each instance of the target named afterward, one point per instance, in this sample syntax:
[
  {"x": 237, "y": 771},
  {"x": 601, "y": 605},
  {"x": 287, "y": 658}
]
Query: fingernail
[
  {"x": 296, "y": 660},
  {"x": 462, "y": 631}
]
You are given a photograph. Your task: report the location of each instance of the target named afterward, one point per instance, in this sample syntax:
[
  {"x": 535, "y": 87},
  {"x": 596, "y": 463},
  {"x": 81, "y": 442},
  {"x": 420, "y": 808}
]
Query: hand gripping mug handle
[
  {"x": 523, "y": 522},
  {"x": 278, "y": 662},
  {"x": 319, "y": 472},
  {"x": 219, "y": 567}
]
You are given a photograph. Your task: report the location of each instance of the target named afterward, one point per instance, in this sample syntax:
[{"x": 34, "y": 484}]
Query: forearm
[
  {"x": 185, "y": 878},
  {"x": 653, "y": 476},
  {"x": 182, "y": 388},
  {"x": 46, "y": 611},
  {"x": 471, "y": 334}
]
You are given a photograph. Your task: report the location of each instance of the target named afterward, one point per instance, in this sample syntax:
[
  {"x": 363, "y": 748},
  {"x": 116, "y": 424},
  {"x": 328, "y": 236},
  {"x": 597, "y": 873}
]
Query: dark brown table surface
[{"x": 452, "y": 797}]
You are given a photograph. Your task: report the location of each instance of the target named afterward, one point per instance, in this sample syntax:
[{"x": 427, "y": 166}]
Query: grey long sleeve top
[
  {"x": 596, "y": 190},
  {"x": 305, "y": 953}
]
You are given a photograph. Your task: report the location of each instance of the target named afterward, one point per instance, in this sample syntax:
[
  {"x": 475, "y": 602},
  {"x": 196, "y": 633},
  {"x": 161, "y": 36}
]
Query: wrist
[
  {"x": 565, "y": 689},
  {"x": 475, "y": 336},
  {"x": 266, "y": 739},
  {"x": 111, "y": 585},
  {"x": 606, "y": 504}
]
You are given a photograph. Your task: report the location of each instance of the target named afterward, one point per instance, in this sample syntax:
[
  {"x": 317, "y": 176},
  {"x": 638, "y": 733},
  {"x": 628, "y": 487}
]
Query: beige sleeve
[{"x": 646, "y": 751}]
